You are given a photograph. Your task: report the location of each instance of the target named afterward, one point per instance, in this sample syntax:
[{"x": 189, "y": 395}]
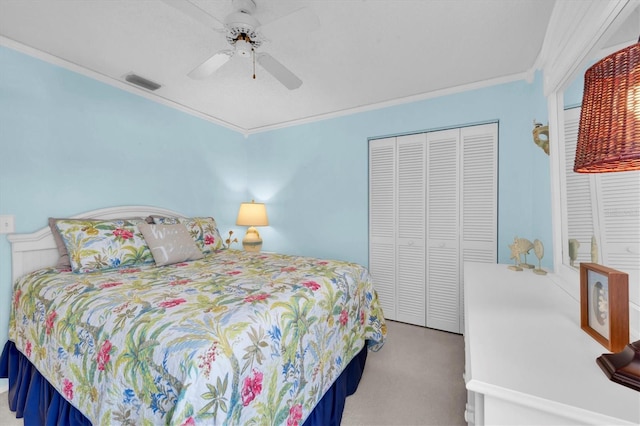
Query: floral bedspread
[{"x": 234, "y": 338}]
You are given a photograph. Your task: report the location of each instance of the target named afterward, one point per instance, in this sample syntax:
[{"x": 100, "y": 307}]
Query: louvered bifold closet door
[
  {"x": 410, "y": 243},
  {"x": 443, "y": 223},
  {"x": 580, "y": 191},
  {"x": 479, "y": 193},
  {"x": 479, "y": 199},
  {"x": 382, "y": 222}
]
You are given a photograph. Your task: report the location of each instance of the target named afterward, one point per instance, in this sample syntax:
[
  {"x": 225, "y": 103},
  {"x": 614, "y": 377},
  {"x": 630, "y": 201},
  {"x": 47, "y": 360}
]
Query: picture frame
[{"x": 604, "y": 305}]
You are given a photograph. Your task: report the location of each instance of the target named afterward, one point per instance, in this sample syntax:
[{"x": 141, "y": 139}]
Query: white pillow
[{"x": 170, "y": 243}]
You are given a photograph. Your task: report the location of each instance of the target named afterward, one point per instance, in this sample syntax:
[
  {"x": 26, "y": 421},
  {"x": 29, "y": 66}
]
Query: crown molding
[
  {"x": 246, "y": 132},
  {"x": 123, "y": 85},
  {"x": 527, "y": 76}
]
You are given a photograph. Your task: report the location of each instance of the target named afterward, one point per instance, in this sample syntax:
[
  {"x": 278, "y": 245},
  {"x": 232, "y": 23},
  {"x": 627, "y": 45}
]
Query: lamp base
[
  {"x": 623, "y": 367},
  {"x": 252, "y": 241}
]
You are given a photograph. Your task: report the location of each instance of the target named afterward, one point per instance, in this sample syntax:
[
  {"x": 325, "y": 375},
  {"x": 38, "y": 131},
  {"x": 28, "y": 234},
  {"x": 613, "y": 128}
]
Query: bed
[{"x": 212, "y": 336}]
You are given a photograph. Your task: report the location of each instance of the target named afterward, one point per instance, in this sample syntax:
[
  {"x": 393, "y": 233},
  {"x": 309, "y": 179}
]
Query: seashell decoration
[
  {"x": 541, "y": 136},
  {"x": 573, "y": 251},
  {"x": 515, "y": 255},
  {"x": 594, "y": 250},
  {"x": 538, "y": 249},
  {"x": 524, "y": 247},
  {"x": 521, "y": 247}
]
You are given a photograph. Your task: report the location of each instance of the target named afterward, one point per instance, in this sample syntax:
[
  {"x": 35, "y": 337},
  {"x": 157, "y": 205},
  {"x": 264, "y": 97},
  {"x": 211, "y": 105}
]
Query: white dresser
[{"x": 527, "y": 359}]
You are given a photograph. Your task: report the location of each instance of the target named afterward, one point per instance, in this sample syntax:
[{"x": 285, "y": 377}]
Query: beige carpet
[
  {"x": 416, "y": 379},
  {"x": 7, "y": 418}
]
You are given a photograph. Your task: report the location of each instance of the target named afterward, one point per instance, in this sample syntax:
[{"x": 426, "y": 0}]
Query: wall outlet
[{"x": 7, "y": 224}]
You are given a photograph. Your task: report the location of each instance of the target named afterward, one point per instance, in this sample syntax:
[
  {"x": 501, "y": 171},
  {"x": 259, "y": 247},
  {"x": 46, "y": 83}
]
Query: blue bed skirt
[{"x": 31, "y": 397}]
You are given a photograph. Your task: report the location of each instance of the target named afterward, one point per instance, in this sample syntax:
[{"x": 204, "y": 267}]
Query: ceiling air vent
[{"x": 141, "y": 82}]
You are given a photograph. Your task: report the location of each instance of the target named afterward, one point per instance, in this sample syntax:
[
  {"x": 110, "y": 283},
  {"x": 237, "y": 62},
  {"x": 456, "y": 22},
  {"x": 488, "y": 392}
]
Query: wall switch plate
[{"x": 7, "y": 224}]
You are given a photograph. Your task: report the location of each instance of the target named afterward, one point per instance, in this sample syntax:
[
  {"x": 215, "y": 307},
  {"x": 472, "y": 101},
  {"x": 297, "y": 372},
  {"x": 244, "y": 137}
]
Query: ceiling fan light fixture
[
  {"x": 240, "y": 32},
  {"x": 243, "y": 48}
]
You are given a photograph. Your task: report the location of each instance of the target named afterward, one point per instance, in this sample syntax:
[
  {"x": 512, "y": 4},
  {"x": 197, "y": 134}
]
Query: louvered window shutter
[
  {"x": 579, "y": 195},
  {"x": 603, "y": 205},
  {"x": 619, "y": 217}
]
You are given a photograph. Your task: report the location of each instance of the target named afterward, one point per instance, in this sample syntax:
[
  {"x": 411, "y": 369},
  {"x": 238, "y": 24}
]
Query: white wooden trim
[
  {"x": 556, "y": 133},
  {"x": 32, "y": 251},
  {"x": 557, "y": 409},
  {"x": 574, "y": 32},
  {"x": 523, "y": 76}
]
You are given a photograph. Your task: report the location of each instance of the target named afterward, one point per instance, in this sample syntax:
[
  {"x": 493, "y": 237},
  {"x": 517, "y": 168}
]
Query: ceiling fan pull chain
[{"x": 253, "y": 54}]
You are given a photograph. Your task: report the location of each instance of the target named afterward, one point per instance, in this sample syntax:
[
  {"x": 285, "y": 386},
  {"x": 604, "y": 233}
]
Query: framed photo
[{"x": 604, "y": 305}]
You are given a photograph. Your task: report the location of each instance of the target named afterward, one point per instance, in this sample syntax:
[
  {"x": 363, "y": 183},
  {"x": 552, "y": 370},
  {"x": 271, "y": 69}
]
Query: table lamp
[
  {"x": 609, "y": 132},
  {"x": 252, "y": 214},
  {"x": 609, "y": 141}
]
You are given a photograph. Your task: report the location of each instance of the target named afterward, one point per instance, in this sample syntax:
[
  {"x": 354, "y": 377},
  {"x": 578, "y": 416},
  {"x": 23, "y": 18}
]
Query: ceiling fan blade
[
  {"x": 210, "y": 66},
  {"x": 192, "y": 10},
  {"x": 279, "y": 71},
  {"x": 299, "y": 21}
]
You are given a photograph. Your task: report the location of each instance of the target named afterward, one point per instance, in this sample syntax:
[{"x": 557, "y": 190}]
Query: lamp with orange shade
[{"x": 609, "y": 129}]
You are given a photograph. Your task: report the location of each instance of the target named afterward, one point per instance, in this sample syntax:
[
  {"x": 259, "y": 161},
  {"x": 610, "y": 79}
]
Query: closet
[{"x": 432, "y": 205}]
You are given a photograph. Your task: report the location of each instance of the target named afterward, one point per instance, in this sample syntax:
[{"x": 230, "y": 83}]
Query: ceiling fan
[{"x": 245, "y": 34}]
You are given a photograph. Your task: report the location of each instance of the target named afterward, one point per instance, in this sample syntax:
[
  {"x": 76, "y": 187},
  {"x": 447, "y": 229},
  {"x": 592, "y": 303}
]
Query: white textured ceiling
[{"x": 363, "y": 53}]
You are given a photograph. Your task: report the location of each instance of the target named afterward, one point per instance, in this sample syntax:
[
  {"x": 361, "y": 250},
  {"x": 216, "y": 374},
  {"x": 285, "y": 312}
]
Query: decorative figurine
[
  {"x": 515, "y": 255},
  {"x": 229, "y": 241},
  {"x": 594, "y": 250},
  {"x": 538, "y": 249},
  {"x": 573, "y": 251},
  {"x": 524, "y": 247},
  {"x": 541, "y": 136}
]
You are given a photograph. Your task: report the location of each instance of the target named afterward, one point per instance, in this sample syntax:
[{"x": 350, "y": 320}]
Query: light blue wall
[
  {"x": 71, "y": 144},
  {"x": 314, "y": 178}
]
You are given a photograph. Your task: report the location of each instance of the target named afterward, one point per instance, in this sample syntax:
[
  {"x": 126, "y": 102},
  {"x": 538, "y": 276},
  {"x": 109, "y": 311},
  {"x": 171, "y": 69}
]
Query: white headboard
[{"x": 37, "y": 250}]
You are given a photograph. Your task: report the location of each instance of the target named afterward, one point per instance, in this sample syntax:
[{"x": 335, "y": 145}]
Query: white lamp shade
[{"x": 252, "y": 214}]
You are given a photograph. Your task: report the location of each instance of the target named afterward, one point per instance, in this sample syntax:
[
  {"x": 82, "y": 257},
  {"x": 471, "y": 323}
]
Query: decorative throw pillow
[
  {"x": 170, "y": 243},
  {"x": 204, "y": 231},
  {"x": 63, "y": 260},
  {"x": 103, "y": 244}
]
